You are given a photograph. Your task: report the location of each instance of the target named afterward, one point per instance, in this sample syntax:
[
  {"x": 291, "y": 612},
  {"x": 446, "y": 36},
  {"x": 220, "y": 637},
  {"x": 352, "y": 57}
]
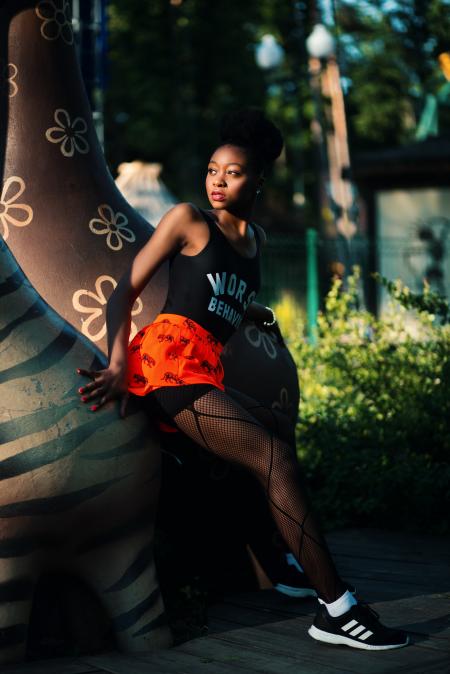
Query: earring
[{"x": 258, "y": 191}]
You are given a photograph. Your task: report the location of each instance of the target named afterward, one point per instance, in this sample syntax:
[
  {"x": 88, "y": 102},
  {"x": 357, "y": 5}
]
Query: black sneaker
[
  {"x": 359, "y": 628},
  {"x": 294, "y": 582},
  {"x": 296, "y": 585}
]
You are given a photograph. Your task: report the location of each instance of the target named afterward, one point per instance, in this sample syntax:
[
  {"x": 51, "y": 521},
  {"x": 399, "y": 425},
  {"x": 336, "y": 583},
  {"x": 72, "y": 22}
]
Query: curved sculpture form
[
  {"x": 78, "y": 492},
  {"x": 73, "y": 235},
  {"x": 65, "y": 221},
  {"x": 68, "y": 226}
]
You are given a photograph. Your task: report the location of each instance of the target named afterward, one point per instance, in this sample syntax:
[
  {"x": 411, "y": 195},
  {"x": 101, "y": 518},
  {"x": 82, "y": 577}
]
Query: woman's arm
[{"x": 170, "y": 236}]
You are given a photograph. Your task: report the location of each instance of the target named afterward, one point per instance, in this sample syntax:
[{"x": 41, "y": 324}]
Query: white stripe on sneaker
[
  {"x": 349, "y": 625},
  {"x": 366, "y": 635},
  {"x": 357, "y": 630}
]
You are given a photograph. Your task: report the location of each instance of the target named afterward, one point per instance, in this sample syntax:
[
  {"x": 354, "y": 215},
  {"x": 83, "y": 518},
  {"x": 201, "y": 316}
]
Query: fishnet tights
[{"x": 219, "y": 424}]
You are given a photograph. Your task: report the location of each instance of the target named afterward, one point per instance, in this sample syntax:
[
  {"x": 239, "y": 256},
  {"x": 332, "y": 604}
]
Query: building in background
[{"x": 407, "y": 194}]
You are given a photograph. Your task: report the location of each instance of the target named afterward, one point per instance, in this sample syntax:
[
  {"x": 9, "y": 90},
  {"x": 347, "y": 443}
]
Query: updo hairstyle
[{"x": 253, "y": 132}]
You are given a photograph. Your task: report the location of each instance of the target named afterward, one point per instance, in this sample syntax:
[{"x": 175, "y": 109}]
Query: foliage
[
  {"x": 289, "y": 313},
  {"x": 374, "y": 433},
  {"x": 428, "y": 301},
  {"x": 175, "y": 67},
  {"x": 389, "y": 52}
]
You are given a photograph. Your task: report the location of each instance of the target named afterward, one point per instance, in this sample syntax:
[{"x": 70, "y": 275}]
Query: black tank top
[{"x": 215, "y": 286}]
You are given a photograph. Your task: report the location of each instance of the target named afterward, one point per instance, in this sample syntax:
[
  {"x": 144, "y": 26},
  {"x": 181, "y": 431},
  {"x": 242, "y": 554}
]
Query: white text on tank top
[{"x": 229, "y": 285}]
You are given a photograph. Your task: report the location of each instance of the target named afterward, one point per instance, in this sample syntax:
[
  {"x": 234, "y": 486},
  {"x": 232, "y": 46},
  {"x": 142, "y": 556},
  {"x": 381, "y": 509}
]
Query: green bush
[{"x": 373, "y": 434}]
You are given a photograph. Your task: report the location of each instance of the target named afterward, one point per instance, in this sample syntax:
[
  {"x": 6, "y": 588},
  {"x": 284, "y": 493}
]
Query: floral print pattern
[
  {"x": 283, "y": 404},
  {"x": 113, "y": 225},
  {"x": 259, "y": 338},
  {"x": 56, "y": 20},
  {"x": 94, "y": 326},
  {"x": 12, "y": 213},
  {"x": 69, "y": 134},
  {"x": 8, "y": 74}
]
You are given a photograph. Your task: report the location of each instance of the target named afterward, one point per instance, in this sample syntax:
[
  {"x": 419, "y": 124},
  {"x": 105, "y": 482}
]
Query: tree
[
  {"x": 174, "y": 69},
  {"x": 176, "y": 66},
  {"x": 389, "y": 52}
]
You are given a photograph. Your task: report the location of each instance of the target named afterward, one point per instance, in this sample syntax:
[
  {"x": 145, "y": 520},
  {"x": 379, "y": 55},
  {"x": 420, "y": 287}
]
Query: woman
[{"x": 175, "y": 361}]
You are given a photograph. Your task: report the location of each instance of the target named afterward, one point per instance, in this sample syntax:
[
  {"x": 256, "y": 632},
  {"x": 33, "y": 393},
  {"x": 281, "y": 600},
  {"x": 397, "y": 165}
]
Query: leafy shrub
[
  {"x": 289, "y": 313},
  {"x": 373, "y": 434}
]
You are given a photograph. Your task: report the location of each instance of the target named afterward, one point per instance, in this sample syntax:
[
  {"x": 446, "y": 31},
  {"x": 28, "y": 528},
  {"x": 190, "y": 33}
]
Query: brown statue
[
  {"x": 73, "y": 235},
  {"x": 68, "y": 226},
  {"x": 78, "y": 493}
]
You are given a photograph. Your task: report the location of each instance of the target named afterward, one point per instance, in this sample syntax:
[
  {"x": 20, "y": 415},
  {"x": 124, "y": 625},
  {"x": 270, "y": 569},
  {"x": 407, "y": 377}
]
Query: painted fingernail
[
  {"x": 83, "y": 399},
  {"x": 81, "y": 390},
  {"x": 93, "y": 408},
  {"x": 78, "y": 370}
]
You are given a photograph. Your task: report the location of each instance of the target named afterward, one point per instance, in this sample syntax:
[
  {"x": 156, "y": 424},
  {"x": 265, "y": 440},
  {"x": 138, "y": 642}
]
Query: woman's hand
[{"x": 106, "y": 385}]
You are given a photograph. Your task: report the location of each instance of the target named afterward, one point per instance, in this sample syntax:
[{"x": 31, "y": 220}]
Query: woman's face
[{"x": 231, "y": 180}]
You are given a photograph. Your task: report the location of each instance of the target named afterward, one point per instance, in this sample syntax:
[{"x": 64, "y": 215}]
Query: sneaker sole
[
  {"x": 295, "y": 592},
  {"x": 299, "y": 593},
  {"x": 330, "y": 638}
]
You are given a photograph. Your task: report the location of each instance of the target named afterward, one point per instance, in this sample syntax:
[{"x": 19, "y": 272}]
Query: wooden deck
[{"x": 404, "y": 577}]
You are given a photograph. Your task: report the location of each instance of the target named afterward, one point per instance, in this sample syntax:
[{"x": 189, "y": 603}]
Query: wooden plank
[
  {"x": 430, "y": 612},
  {"x": 52, "y": 666},
  {"x": 413, "y": 565},
  {"x": 379, "y": 590},
  {"x": 421, "y": 616},
  {"x": 440, "y": 666},
  {"x": 405, "y": 577},
  {"x": 249, "y": 614},
  {"x": 377, "y": 551},
  {"x": 258, "y": 660},
  {"x": 171, "y": 661},
  {"x": 433, "y": 576},
  {"x": 290, "y": 637},
  {"x": 393, "y": 545}
]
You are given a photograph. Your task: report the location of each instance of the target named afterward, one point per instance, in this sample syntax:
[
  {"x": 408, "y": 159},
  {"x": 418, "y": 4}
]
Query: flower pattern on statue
[
  {"x": 283, "y": 403},
  {"x": 12, "y": 213},
  {"x": 8, "y": 74},
  {"x": 258, "y": 338},
  {"x": 94, "y": 326},
  {"x": 69, "y": 134},
  {"x": 56, "y": 20},
  {"x": 113, "y": 225}
]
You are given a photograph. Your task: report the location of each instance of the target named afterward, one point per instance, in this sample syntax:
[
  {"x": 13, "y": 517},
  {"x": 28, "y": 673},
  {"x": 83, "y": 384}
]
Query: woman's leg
[
  {"x": 274, "y": 421},
  {"x": 263, "y": 535},
  {"x": 218, "y": 423}
]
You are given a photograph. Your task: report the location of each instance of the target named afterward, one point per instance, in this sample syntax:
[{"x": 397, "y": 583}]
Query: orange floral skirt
[{"x": 173, "y": 351}]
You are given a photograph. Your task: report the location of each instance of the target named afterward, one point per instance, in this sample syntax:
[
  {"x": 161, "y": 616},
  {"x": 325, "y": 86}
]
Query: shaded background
[{"x": 161, "y": 74}]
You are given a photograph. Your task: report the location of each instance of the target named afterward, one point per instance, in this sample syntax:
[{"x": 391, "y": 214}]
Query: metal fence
[{"x": 284, "y": 268}]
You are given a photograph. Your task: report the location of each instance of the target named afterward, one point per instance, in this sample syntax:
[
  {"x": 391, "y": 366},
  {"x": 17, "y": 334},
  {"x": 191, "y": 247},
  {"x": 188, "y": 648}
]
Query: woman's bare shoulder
[
  {"x": 182, "y": 215},
  {"x": 185, "y": 209}
]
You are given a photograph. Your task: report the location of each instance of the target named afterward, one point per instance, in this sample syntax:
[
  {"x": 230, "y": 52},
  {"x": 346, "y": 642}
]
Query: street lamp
[
  {"x": 320, "y": 44},
  {"x": 269, "y": 54}
]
